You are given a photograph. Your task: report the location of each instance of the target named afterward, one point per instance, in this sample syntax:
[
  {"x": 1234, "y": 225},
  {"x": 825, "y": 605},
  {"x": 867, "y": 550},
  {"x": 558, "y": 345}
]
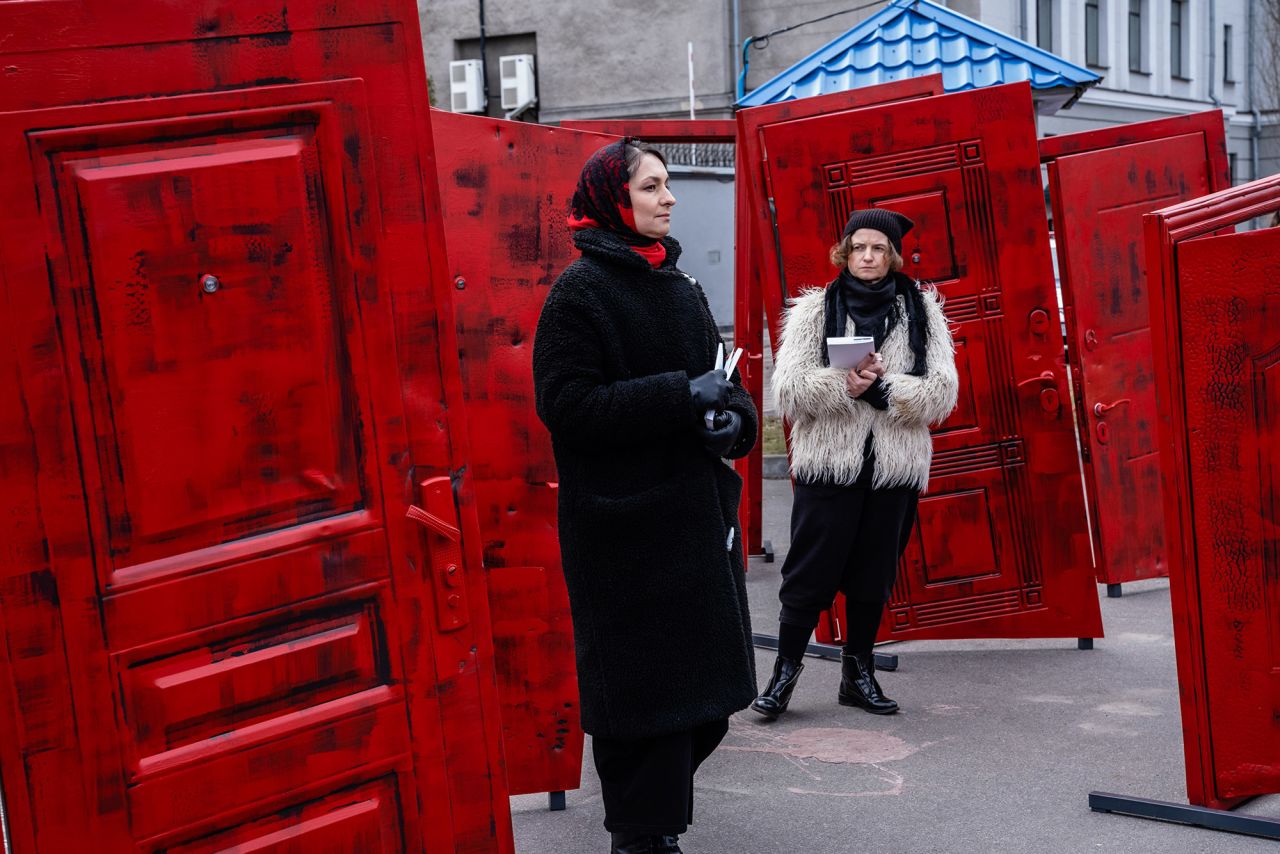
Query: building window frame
[
  {"x": 1045, "y": 24},
  {"x": 1093, "y": 33},
  {"x": 1138, "y": 53},
  {"x": 1228, "y": 57},
  {"x": 1178, "y": 66}
]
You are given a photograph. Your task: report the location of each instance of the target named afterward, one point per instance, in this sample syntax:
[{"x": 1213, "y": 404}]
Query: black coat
[{"x": 661, "y": 624}]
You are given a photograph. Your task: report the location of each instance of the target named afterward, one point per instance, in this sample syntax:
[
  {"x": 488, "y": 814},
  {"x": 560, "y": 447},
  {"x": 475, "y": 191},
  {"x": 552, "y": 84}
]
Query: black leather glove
[
  {"x": 709, "y": 391},
  {"x": 720, "y": 439}
]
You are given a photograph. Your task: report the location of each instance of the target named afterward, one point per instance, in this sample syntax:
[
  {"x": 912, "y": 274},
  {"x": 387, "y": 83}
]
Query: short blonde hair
[{"x": 841, "y": 251}]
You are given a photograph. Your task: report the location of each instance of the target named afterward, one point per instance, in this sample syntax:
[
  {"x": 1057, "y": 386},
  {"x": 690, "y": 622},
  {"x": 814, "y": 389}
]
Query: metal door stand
[
  {"x": 555, "y": 801},
  {"x": 1207, "y": 817},
  {"x": 1113, "y": 591},
  {"x": 825, "y": 650}
]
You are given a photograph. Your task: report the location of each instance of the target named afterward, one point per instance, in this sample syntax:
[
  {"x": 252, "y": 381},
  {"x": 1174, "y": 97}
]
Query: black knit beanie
[{"x": 890, "y": 223}]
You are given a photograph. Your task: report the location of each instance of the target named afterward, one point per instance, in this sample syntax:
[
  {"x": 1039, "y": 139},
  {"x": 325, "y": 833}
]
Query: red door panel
[
  {"x": 505, "y": 190},
  {"x": 763, "y": 270},
  {"x": 226, "y": 630},
  {"x": 1217, "y": 356},
  {"x": 758, "y": 293},
  {"x": 1002, "y": 549},
  {"x": 1101, "y": 183}
]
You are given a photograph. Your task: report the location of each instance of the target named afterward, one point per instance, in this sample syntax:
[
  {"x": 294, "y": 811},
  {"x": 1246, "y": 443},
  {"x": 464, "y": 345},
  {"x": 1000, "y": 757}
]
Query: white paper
[{"x": 846, "y": 353}]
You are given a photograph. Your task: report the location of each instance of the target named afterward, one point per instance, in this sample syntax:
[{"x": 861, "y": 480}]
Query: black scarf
[{"x": 875, "y": 312}]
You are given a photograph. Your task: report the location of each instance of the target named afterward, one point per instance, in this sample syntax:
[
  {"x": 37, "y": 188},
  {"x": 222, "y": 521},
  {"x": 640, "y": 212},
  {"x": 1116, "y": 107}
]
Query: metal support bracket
[
  {"x": 826, "y": 651},
  {"x": 1113, "y": 591},
  {"x": 1207, "y": 817}
]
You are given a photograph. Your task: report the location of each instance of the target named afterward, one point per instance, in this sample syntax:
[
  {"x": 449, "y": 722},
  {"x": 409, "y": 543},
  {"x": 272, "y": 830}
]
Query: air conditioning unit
[
  {"x": 518, "y": 87},
  {"x": 466, "y": 86}
]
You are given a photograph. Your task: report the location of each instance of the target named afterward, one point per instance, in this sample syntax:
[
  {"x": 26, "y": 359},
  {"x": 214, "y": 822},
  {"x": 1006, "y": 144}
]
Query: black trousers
[
  {"x": 843, "y": 539},
  {"x": 647, "y": 783}
]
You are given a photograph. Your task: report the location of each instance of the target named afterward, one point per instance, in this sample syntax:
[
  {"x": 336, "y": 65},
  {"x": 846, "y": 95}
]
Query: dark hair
[{"x": 636, "y": 150}]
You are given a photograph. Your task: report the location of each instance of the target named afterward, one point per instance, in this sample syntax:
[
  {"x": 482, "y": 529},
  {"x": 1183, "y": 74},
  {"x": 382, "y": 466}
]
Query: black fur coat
[{"x": 661, "y": 623}]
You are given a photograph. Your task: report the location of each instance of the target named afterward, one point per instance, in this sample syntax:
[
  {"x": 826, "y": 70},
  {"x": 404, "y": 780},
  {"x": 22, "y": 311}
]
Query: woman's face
[
  {"x": 869, "y": 256},
  {"x": 651, "y": 198}
]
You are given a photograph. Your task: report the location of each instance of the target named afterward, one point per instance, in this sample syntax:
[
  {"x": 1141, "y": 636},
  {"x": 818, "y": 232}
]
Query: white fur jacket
[{"x": 829, "y": 428}]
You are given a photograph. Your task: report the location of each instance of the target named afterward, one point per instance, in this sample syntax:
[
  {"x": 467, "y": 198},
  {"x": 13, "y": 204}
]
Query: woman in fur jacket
[{"x": 860, "y": 447}]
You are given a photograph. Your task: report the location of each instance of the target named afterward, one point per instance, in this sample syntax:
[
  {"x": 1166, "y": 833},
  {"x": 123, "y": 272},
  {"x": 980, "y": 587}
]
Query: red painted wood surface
[
  {"x": 1101, "y": 183},
  {"x": 748, "y": 320},
  {"x": 1002, "y": 546},
  {"x": 220, "y": 626},
  {"x": 505, "y": 189},
  {"x": 1214, "y": 302}
]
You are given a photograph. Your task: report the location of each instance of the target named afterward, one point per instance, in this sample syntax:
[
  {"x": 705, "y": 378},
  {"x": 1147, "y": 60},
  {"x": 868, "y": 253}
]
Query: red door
[
  {"x": 1002, "y": 546},
  {"x": 505, "y": 189},
  {"x": 758, "y": 287},
  {"x": 1214, "y": 302},
  {"x": 220, "y": 628},
  {"x": 1101, "y": 183}
]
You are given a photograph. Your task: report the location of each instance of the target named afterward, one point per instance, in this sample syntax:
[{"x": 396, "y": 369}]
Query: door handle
[
  {"x": 1046, "y": 377},
  {"x": 438, "y": 517},
  {"x": 432, "y": 522},
  {"x": 1099, "y": 409},
  {"x": 1049, "y": 401}
]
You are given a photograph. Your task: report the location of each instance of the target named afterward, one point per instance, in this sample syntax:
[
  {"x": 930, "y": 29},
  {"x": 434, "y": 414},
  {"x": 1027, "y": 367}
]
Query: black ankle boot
[
  {"x": 644, "y": 843},
  {"x": 777, "y": 694},
  {"x": 858, "y": 685}
]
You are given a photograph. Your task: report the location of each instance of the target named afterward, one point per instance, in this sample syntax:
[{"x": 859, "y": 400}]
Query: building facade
[{"x": 609, "y": 59}]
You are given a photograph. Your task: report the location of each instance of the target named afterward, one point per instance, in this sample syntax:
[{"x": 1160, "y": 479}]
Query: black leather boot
[
  {"x": 858, "y": 685},
  {"x": 777, "y": 694},
  {"x": 644, "y": 843}
]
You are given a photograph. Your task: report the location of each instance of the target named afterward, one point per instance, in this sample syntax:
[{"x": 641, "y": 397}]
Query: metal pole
[
  {"x": 1213, "y": 49},
  {"x": 4, "y": 825},
  {"x": 737, "y": 34},
  {"x": 484, "y": 62},
  {"x": 1256, "y": 131},
  {"x": 693, "y": 112}
]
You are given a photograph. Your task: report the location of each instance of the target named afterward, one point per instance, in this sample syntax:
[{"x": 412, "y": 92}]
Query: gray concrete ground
[{"x": 996, "y": 749}]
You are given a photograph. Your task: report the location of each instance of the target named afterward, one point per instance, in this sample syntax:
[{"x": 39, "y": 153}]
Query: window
[
  {"x": 1177, "y": 16},
  {"x": 1136, "y": 58},
  {"x": 1227, "y": 58},
  {"x": 1091, "y": 32},
  {"x": 1044, "y": 24},
  {"x": 1231, "y": 167}
]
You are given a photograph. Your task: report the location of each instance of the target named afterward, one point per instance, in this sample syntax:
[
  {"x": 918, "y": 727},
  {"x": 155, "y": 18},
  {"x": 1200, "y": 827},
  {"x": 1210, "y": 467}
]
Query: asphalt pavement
[{"x": 996, "y": 749}]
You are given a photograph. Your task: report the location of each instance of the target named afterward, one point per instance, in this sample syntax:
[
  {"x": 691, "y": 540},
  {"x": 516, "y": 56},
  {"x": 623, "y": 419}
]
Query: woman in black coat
[{"x": 623, "y": 369}]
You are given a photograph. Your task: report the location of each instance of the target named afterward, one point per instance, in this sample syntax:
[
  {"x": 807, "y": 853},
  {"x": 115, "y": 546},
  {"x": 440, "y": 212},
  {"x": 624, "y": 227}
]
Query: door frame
[{"x": 1165, "y": 229}]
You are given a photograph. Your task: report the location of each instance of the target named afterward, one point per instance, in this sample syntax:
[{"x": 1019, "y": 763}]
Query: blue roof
[{"x": 910, "y": 38}]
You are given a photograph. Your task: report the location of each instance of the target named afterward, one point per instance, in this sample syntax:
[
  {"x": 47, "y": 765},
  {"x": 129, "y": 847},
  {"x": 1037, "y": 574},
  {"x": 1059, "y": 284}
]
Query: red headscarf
[{"x": 603, "y": 200}]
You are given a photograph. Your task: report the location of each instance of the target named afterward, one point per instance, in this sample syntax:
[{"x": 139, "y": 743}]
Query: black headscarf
[
  {"x": 603, "y": 196},
  {"x": 873, "y": 306}
]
